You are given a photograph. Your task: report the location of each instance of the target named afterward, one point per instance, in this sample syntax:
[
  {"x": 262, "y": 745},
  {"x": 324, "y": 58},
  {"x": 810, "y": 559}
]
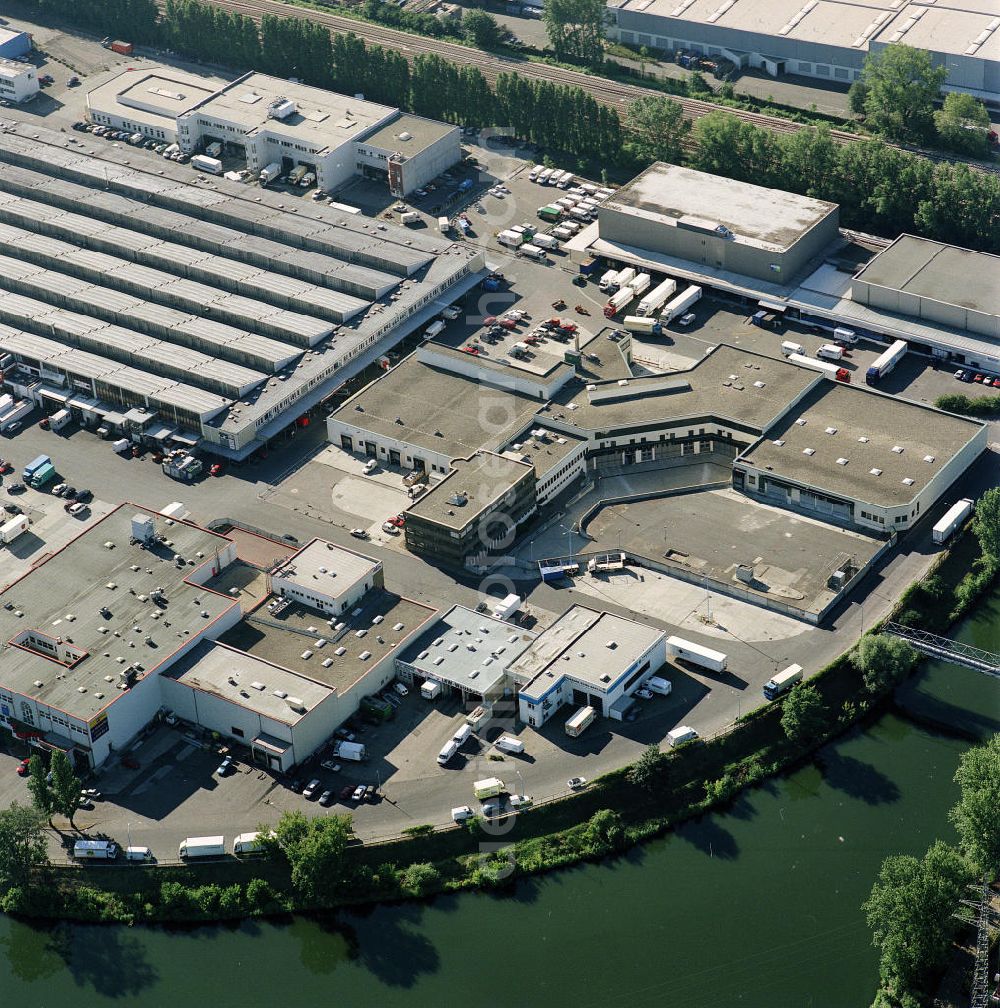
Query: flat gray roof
[
  {"x": 211, "y": 668},
  {"x": 421, "y": 133},
  {"x": 940, "y": 272},
  {"x": 598, "y": 648},
  {"x": 763, "y": 218},
  {"x": 302, "y": 627},
  {"x": 967, "y": 28},
  {"x": 438, "y": 410},
  {"x": 928, "y": 438},
  {"x": 326, "y": 567},
  {"x": 323, "y": 118},
  {"x": 63, "y": 596},
  {"x": 471, "y": 488},
  {"x": 543, "y": 447},
  {"x": 467, "y": 649},
  {"x": 748, "y": 389},
  {"x": 151, "y": 95}
]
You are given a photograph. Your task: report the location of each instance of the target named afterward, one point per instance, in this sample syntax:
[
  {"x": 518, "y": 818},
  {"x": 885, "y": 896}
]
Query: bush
[{"x": 419, "y": 879}]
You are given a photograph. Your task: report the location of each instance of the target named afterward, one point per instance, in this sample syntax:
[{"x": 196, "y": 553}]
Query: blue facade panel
[{"x": 14, "y": 44}]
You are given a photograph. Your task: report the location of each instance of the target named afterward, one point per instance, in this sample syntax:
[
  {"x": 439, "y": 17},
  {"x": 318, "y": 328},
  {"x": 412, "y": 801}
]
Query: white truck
[
  {"x": 354, "y": 751},
  {"x": 829, "y": 351},
  {"x": 626, "y": 276},
  {"x": 122, "y": 446},
  {"x": 296, "y": 175},
  {"x": 430, "y": 690},
  {"x": 214, "y": 149},
  {"x": 788, "y": 348},
  {"x": 269, "y": 174},
  {"x": 202, "y": 846},
  {"x": 663, "y": 687},
  {"x": 10, "y": 530},
  {"x": 248, "y": 843},
  {"x": 509, "y": 606},
  {"x": 512, "y": 239},
  {"x": 203, "y": 163},
  {"x": 488, "y": 787},
  {"x": 59, "y": 419},
  {"x": 944, "y": 529},
  {"x": 95, "y": 850},
  {"x": 638, "y": 324},
  {"x": 680, "y": 304},
  {"x": 409, "y": 218},
  {"x": 544, "y": 241},
  {"x": 609, "y": 281},
  {"x": 509, "y": 744},
  {"x": 532, "y": 252},
  {"x": 782, "y": 681},
  {"x": 831, "y": 370},
  {"x": 696, "y": 654},
  {"x": 444, "y": 225},
  {"x": 657, "y": 297}
]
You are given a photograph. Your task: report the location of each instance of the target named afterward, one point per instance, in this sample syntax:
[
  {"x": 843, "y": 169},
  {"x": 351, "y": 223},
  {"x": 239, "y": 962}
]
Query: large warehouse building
[
  {"x": 266, "y": 120},
  {"x": 824, "y": 39},
  {"x": 203, "y": 311}
]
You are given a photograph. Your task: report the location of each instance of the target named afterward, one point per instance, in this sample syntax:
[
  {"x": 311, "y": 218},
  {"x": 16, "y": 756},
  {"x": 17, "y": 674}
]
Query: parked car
[
  {"x": 359, "y": 793},
  {"x": 644, "y": 694},
  {"x": 77, "y": 509},
  {"x": 400, "y": 689},
  {"x": 311, "y": 789},
  {"x": 326, "y": 798},
  {"x": 371, "y": 793},
  {"x": 576, "y": 783},
  {"x": 24, "y": 767},
  {"x": 491, "y": 810},
  {"x": 346, "y": 792},
  {"x": 387, "y": 527},
  {"x": 451, "y": 312},
  {"x": 12, "y": 509},
  {"x": 73, "y": 82},
  {"x": 330, "y": 765},
  {"x": 215, "y": 469},
  {"x": 519, "y": 801},
  {"x": 359, "y": 533},
  {"x": 83, "y": 496},
  {"x": 225, "y": 768},
  {"x": 370, "y": 466},
  {"x": 57, "y": 490},
  {"x": 16, "y": 488}
]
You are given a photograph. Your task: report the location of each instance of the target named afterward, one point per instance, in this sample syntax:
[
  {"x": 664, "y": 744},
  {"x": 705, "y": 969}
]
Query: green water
[{"x": 757, "y": 907}]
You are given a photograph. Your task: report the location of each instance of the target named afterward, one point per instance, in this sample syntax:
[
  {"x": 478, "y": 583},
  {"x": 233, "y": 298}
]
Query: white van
[
  {"x": 461, "y": 736},
  {"x": 508, "y": 744},
  {"x": 433, "y": 329},
  {"x": 657, "y": 685},
  {"x": 449, "y": 750},
  {"x": 138, "y": 854},
  {"x": 678, "y": 736},
  {"x": 788, "y": 348}
]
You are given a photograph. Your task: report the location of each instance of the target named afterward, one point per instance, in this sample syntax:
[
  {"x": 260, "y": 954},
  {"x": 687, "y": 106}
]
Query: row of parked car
[
  {"x": 980, "y": 379},
  {"x": 170, "y": 151}
]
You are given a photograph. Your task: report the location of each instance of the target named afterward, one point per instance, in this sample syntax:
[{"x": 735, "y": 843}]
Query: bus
[{"x": 580, "y": 721}]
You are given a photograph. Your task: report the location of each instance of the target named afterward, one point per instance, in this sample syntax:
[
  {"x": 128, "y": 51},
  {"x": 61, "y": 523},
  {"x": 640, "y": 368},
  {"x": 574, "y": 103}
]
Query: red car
[
  {"x": 216, "y": 469},
  {"x": 399, "y": 521},
  {"x": 5, "y": 467},
  {"x": 472, "y": 350},
  {"x": 507, "y": 323},
  {"x": 24, "y": 767},
  {"x": 567, "y": 327}
]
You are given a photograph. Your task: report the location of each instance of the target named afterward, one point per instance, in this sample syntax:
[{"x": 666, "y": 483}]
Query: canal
[{"x": 758, "y": 906}]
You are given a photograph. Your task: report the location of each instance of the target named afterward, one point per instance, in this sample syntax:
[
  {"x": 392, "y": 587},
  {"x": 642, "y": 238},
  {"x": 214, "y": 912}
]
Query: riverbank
[{"x": 619, "y": 810}]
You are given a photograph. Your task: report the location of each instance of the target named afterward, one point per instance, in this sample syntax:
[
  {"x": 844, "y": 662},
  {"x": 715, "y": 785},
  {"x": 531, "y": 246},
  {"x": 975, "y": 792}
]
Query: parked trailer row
[
  {"x": 646, "y": 326},
  {"x": 640, "y": 284},
  {"x": 618, "y": 301},
  {"x": 680, "y": 304},
  {"x": 951, "y": 520},
  {"x": 696, "y": 654},
  {"x": 886, "y": 361}
]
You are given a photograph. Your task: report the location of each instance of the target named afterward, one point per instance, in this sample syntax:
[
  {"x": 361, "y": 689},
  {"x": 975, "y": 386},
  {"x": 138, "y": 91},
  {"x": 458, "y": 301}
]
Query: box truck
[
  {"x": 950, "y": 521},
  {"x": 248, "y": 843},
  {"x": 829, "y": 351},
  {"x": 59, "y": 419},
  {"x": 203, "y": 163},
  {"x": 545, "y": 241},
  {"x": 354, "y": 751},
  {"x": 488, "y": 787},
  {"x": 269, "y": 174},
  {"x": 680, "y": 304},
  {"x": 609, "y": 281},
  {"x": 696, "y": 654},
  {"x": 657, "y": 297},
  {"x": 46, "y": 474},
  {"x": 788, "y": 348},
  {"x": 680, "y": 735},
  {"x": 508, "y": 607},
  {"x": 214, "y": 149},
  {"x": 95, "y": 850},
  {"x": 34, "y": 465},
  {"x": 430, "y": 690},
  {"x": 532, "y": 252},
  {"x": 444, "y": 225},
  {"x": 580, "y": 721},
  {"x": 202, "y": 846},
  {"x": 783, "y": 681},
  {"x": 511, "y": 238},
  {"x": 886, "y": 361},
  {"x": 551, "y": 214},
  {"x": 638, "y": 324},
  {"x": 663, "y": 687},
  {"x": 626, "y": 276},
  {"x": 122, "y": 48},
  {"x": 10, "y": 530}
]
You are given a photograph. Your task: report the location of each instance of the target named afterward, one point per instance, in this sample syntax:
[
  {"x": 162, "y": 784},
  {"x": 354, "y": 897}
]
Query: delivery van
[
  {"x": 138, "y": 854},
  {"x": 678, "y": 736},
  {"x": 488, "y": 787},
  {"x": 657, "y": 685},
  {"x": 448, "y": 750},
  {"x": 508, "y": 744},
  {"x": 788, "y": 348},
  {"x": 462, "y": 735}
]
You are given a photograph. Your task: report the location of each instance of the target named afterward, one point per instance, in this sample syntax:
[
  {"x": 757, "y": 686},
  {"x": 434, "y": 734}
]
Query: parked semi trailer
[
  {"x": 680, "y": 304},
  {"x": 657, "y": 297},
  {"x": 950, "y": 521},
  {"x": 697, "y": 654},
  {"x": 886, "y": 361}
]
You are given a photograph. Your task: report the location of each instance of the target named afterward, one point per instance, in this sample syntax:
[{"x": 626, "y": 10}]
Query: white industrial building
[
  {"x": 18, "y": 81},
  {"x": 586, "y": 658},
  {"x": 824, "y": 39},
  {"x": 267, "y": 120},
  {"x": 167, "y": 309},
  {"x": 325, "y": 577}
]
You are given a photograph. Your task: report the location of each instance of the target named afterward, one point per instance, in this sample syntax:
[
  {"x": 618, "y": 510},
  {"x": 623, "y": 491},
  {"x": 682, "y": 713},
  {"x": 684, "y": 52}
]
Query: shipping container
[{"x": 122, "y": 48}]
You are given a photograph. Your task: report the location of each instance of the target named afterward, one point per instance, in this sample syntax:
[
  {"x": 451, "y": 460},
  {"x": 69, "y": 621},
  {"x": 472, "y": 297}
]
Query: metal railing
[{"x": 946, "y": 649}]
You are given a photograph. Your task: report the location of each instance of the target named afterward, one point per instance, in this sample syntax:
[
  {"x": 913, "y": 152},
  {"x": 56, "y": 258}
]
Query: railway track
[{"x": 608, "y": 92}]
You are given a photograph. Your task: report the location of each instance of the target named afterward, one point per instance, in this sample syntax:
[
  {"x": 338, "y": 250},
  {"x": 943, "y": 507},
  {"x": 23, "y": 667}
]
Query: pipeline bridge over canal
[{"x": 947, "y": 650}]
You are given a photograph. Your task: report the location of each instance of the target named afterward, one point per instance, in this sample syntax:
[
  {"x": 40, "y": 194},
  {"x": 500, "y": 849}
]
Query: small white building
[
  {"x": 18, "y": 81},
  {"x": 325, "y": 577},
  {"x": 586, "y": 658}
]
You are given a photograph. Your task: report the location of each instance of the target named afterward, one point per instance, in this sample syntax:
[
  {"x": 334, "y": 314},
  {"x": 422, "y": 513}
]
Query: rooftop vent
[
  {"x": 340, "y": 651},
  {"x": 778, "y": 442},
  {"x": 928, "y": 458},
  {"x": 831, "y": 430},
  {"x": 898, "y": 449},
  {"x": 841, "y": 461},
  {"x": 862, "y": 440},
  {"x": 808, "y": 451},
  {"x": 801, "y": 422},
  {"x": 908, "y": 481},
  {"x": 365, "y": 655},
  {"x": 874, "y": 472}
]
